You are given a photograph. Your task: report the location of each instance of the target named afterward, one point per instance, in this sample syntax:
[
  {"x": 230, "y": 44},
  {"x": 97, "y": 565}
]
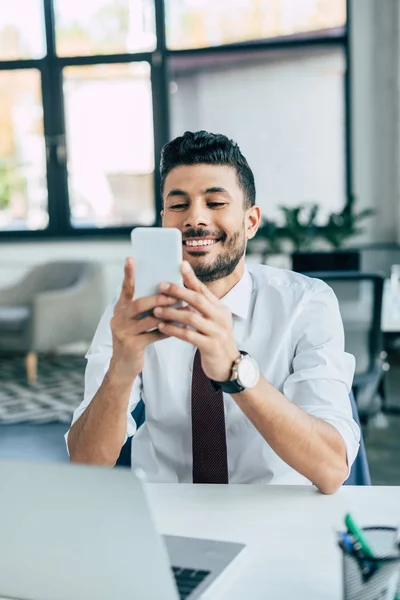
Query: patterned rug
[{"x": 58, "y": 391}]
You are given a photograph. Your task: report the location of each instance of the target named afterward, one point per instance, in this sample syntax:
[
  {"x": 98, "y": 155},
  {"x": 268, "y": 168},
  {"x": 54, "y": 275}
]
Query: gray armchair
[{"x": 56, "y": 303}]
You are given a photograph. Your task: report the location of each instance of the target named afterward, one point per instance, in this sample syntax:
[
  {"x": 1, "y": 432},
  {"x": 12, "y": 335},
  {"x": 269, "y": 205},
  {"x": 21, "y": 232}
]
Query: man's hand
[
  {"x": 131, "y": 335},
  {"x": 207, "y": 324}
]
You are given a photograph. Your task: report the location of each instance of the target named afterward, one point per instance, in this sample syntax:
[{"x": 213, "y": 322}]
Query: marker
[{"x": 358, "y": 536}]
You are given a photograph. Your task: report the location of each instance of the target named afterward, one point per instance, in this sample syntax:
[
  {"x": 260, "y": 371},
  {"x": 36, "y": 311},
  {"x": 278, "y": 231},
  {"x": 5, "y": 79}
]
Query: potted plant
[
  {"x": 300, "y": 233},
  {"x": 345, "y": 224}
]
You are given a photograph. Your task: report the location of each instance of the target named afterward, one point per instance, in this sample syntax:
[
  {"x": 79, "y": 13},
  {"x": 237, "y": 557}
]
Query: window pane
[
  {"x": 109, "y": 123},
  {"x": 285, "y": 110},
  {"x": 21, "y": 30},
  {"x": 202, "y": 23},
  {"x": 93, "y": 27},
  {"x": 23, "y": 189}
]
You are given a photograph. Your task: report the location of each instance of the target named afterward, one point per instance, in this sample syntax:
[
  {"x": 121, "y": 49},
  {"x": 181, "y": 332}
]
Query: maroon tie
[{"x": 210, "y": 459}]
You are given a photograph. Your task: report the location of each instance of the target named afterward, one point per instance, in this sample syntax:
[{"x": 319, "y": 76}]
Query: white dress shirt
[{"x": 292, "y": 326}]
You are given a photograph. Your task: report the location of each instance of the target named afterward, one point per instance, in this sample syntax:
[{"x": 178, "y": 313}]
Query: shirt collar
[{"x": 238, "y": 298}]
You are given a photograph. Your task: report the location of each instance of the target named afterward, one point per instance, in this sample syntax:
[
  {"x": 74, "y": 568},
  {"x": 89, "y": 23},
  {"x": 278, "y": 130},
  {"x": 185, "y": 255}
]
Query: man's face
[{"x": 206, "y": 203}]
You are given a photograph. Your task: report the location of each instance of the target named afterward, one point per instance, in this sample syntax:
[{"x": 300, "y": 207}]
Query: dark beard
[{"x": 225, "y": 263}]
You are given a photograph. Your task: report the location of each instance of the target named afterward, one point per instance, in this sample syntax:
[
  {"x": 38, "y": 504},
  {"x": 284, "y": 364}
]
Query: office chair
[
  {"x": 138, "y": 415},
  {"x": 359, "y": 474},
  {"x": 360, "y": 301}
]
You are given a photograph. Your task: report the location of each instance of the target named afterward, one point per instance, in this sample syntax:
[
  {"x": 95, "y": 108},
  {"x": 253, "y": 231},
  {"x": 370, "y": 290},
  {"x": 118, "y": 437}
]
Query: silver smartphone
[{"x": 157, "y": 252}]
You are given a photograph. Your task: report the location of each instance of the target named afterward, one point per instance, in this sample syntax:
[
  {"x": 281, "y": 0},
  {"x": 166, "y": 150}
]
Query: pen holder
[{"x": 374, "y": 578}]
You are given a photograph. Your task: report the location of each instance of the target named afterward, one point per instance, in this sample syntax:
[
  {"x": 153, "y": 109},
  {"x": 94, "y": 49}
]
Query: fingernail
[
  {"x": 185, "y": 266},
  {"x": 158, "y": 311},
  {"x": 164, "y": 287}
]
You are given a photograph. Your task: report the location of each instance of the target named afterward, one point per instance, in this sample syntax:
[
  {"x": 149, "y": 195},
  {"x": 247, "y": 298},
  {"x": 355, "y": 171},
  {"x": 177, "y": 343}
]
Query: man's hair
[{"x": 207, "y": 148}]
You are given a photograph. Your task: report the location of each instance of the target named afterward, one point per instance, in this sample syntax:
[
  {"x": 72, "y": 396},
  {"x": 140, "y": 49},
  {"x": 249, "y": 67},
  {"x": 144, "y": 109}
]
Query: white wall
[
  {"x": 286, "y": 112},
  {"x": 375, "y": 113}
]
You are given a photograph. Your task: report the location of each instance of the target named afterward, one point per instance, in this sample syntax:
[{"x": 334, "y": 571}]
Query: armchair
[{"x": 56, "y": 303}]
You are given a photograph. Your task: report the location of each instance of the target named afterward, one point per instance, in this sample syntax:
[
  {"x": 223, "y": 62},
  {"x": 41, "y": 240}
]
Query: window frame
[{"x": 51, "y": 67}]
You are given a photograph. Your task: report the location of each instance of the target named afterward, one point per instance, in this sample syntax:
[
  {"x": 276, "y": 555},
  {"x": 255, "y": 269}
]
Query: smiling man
[{"x": 253, "y": 385}]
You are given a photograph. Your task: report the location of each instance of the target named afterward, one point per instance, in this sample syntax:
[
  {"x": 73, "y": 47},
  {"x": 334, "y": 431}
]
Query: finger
[
  {"x": 128, "y": 283},
  {"x": 186, "y": 317},
  {"x": 144, "y": 325},
  {"x": 193, "y": 283},
  {"x": 153, "y": 336},
  {"x": 141, "y": 305},
  {"x": 195, "y": 299},
  {"x": 187, "y": 335}
]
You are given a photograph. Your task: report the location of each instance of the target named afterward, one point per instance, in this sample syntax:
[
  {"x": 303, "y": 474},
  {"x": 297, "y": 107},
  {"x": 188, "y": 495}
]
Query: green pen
[{"x": 358, "y": 535}]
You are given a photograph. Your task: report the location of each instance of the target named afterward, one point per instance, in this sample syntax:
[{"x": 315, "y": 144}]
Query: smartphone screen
[{"x": 157, "y": 252}]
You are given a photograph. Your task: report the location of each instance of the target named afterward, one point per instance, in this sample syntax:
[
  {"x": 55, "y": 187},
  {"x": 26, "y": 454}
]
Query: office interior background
[{"x": 89, "y": 93}]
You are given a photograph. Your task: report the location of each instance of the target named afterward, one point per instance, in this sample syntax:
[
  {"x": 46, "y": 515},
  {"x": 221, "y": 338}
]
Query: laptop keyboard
[{"x": 187, "y": 580}]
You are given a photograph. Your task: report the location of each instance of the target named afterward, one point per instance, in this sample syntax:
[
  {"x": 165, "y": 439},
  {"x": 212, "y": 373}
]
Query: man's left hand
[{"x": 207, "y": 324}]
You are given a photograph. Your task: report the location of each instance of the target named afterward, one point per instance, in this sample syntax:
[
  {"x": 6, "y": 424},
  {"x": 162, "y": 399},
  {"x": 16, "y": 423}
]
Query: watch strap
[{"x": 230, "y": 386}]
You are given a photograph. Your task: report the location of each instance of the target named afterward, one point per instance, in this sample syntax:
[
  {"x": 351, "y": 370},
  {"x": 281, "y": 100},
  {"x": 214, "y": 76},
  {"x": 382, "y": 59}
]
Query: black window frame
[{"x": 51, "y": 67}]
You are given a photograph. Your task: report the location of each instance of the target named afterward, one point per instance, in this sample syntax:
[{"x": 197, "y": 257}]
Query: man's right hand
[{"x": 131, "y": 335}]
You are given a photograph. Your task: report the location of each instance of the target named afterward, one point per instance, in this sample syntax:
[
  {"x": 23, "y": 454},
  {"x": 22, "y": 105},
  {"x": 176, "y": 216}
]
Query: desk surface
[{"x": 289, "y": 531}]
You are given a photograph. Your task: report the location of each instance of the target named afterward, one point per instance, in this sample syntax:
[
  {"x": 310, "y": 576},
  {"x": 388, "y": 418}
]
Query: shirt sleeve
[
  {"x": 322, "y": 372},
  {"x": 98, "y": 360}
]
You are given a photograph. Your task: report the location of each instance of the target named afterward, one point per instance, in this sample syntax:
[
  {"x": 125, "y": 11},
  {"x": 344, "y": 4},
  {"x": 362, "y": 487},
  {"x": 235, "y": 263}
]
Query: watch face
[{"x": 248, "y": 372}]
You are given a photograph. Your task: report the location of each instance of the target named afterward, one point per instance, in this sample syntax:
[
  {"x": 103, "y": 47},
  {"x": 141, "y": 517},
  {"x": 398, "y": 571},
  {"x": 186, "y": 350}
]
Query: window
[
  {"x": 21, "y": 30},
  {"x": 90, "y": 90},
  {"x": 202, "y": 23},
  {"x": 284, "y": 108},
  {"x": 110, "y": 144},
  {"x": 23, "y": 189},
  {"x": 92, "y": 27}
]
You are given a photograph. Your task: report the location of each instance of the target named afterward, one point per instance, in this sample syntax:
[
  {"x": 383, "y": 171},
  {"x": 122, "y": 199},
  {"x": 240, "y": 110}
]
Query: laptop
[{"x": 86, "y": 532}]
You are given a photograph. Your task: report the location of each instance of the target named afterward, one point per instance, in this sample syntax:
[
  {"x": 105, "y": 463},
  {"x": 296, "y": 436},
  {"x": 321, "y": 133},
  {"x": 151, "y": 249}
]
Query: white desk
[{"x": 289, "y": 531}]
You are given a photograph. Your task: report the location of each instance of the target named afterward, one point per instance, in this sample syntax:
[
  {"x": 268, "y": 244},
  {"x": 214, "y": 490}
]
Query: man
[{"x": 279, "y": 414}]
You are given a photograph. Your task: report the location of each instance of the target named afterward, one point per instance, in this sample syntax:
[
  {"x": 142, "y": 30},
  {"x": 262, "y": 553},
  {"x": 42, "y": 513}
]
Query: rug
[{"x": 58, "y": 391}]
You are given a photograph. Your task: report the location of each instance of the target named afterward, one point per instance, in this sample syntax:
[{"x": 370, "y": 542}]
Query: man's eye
[
  {"x": 178, "y": 206},
  {"x": 216, "y": 204}
]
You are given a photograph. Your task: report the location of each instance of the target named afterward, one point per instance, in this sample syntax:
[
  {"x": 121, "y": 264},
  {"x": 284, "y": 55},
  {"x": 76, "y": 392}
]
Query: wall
[
  {"x": 285, "y": 110},
  {"x": 375, "y": 114}
]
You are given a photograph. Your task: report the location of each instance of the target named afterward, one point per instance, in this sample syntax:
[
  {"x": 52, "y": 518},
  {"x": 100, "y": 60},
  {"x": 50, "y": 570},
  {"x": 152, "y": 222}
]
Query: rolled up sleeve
[
  {"x": 322, "y": 372},
  {"x": 98, "y": 361}
]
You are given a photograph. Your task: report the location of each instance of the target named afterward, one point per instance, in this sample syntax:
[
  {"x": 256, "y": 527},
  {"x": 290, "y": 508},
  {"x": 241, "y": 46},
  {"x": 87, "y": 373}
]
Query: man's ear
[{"x": 253, "y": 218}]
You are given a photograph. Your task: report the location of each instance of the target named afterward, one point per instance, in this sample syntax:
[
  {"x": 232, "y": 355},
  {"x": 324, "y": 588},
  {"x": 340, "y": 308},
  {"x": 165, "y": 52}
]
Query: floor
[{"x": 46, "y": 442}]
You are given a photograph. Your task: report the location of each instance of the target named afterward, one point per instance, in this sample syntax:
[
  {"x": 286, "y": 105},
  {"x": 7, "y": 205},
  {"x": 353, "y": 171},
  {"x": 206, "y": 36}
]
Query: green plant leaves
[{"x": 301, "y": 230}]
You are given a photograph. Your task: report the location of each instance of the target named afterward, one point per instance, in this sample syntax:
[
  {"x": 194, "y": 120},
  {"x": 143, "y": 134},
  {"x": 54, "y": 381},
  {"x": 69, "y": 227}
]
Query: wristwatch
[{"x": 245, "y": 375}]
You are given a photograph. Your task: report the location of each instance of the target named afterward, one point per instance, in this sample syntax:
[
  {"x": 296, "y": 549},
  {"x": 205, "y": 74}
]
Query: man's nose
[{"x": 196, "y": 217}]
